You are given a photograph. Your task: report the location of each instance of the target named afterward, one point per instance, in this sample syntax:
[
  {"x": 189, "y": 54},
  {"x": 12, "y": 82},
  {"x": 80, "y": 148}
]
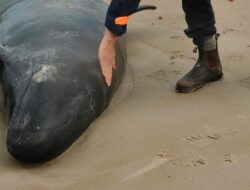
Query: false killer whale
[{"x": 50, "y": 73}]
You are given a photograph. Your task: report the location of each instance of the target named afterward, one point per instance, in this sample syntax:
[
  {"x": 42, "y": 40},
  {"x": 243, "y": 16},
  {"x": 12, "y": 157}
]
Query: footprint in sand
[
  {"x": 166, "y": 157},
  {"x": 177, "y": 37},
  {"x": 177, "y": 54},
  {"x": 197, "y": 162},
  {"x": 232, "y": 131},
  {"x": 159, "y": 75},
  {"x": 163, "y": 74},
  {"x": 228, "y": 158},
  {"x": 232, "y": 158},
  {"x": 159, "y": 159},
  {"x": 245, "y": 82},
  {"x": 201, "y": 140},
  {"x": 227, "y": 30},
  {"x": 207, "y": 139},
  {"x": 234, "y": 58}
]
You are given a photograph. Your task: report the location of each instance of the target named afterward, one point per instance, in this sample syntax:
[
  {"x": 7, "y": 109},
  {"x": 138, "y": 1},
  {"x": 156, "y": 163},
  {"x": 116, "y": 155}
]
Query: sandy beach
[{"x": 150, "y": 137}]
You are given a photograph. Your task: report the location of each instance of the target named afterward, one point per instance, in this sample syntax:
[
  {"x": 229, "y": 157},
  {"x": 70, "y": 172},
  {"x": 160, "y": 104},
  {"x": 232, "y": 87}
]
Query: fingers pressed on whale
[{"x": 107, "y": 56}]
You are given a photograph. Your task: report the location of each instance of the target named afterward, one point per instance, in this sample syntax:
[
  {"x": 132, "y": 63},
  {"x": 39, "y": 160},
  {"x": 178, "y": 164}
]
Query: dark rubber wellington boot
[{"x": 207, "y": 69}]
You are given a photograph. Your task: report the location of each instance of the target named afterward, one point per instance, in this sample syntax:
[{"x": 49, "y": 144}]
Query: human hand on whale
[
  {"x": 107, "y": 55},
  {"x": 107, "y": 49},
  {"x": 115, "y": 28}
]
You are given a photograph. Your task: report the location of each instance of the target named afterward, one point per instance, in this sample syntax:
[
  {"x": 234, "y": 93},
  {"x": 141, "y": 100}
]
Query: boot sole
[{"x": 198, "y": 86}]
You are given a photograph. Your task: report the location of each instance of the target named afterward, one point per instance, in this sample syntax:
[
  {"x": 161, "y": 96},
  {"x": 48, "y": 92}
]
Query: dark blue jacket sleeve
[{"x": 119, "y": 8}]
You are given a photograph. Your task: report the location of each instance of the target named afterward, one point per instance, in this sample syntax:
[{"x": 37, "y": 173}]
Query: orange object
[{"x": 123, "y": 20}]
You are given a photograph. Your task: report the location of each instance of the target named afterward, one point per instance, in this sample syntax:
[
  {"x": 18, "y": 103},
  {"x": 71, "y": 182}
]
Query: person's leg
[
  {"x": 201, "y": 28},
  {"x": 200, "y": 19}
]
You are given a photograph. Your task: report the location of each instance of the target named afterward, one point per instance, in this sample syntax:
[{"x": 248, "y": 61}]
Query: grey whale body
[{"x": 50, "y": 73}]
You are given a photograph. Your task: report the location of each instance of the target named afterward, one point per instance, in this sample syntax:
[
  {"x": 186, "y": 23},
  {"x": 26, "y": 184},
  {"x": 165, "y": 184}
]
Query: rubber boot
[{"x": 207, "y": 69}]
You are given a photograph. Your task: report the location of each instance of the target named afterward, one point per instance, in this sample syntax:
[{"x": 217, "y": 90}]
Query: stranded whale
[{"x": 50, "y": 73}]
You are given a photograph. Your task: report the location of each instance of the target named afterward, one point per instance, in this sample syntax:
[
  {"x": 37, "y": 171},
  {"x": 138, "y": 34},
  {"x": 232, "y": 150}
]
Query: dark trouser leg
[
  {"x": 201, "y": 27},
  {"x": 200, "y": 19}
]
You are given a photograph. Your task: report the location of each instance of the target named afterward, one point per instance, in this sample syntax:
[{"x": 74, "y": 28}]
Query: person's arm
[{"x": 116, "y": 25}]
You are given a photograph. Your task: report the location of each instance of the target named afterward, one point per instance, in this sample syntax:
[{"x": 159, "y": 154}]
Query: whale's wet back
[{"x": 51, "y": 73}]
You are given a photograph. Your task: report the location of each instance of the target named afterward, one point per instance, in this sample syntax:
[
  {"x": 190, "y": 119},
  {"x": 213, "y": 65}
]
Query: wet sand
[{"x": 150, "y": 137}]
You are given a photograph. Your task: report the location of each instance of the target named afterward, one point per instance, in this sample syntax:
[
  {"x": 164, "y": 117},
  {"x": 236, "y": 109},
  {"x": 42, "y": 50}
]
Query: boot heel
[{"x": 216, "y": 77}]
